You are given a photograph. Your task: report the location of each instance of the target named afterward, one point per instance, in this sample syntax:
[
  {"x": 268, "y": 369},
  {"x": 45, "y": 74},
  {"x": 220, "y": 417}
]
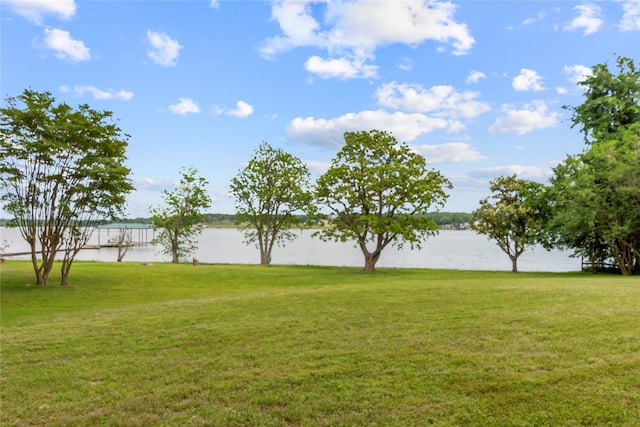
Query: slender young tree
[
  {"x": 181, "y": 216},
  {"x": 61, "y": 171},
  {"x": 123, "y": 241},
  {"x": 378, "y": 193},
  {"x": 511, "y": 216},
  {"x": 272, "y": 195}
]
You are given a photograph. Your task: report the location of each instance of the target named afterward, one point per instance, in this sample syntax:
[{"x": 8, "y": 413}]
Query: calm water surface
[{"x": 458, "y": 250}]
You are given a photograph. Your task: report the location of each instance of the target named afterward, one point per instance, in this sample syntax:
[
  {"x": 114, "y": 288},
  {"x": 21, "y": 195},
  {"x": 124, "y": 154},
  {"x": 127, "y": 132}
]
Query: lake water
[{"x": 450, "y": 249}]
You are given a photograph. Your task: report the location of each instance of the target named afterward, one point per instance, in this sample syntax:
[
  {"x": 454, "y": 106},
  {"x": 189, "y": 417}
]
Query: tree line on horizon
[
  {"x": 62, "y": 171},
  {"x": 224, "y": 219}
]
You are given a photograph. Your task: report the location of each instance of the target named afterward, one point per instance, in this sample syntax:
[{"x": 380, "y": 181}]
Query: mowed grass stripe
[{"x": 302, "y": 345}]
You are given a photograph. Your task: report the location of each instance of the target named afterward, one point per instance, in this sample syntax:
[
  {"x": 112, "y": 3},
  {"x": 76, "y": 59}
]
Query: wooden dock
[{"x": 10, "y": 254}]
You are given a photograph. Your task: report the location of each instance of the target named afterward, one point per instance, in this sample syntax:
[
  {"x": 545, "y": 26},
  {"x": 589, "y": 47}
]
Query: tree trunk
[
  {"x": 265, "y": 257},
  {"x": 121, "y": 252},
  {"x": 124, "y": 243},
  {"x": 514, "y": 263},
  {"x": 175, "y": 245},
  {"x": 266, "y": 241},
  {"x": 174, "y": 251},
  {"x": 42, "y": 271},
  {"x": 42, "y": 277},
  {"x": 41, "y": 280},
  {"x": 370, "y": 260},
  {"x": 66, "y": 268},
  {"x": 624, "y": 256},
  {"x": 263, "y": 245}
]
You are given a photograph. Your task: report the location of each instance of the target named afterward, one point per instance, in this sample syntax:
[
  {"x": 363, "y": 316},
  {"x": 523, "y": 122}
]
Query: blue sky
[{"x": 477, "y": 87}]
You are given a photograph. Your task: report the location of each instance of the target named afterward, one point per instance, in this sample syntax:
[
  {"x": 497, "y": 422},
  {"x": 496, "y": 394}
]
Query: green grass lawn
[{"x": 226, "y": 345}]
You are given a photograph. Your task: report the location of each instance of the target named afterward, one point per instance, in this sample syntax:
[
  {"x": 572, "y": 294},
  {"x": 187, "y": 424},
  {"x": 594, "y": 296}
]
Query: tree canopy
[
  {"x": 61, "y": 169},
  {"x": 611, "y": 104},
  {"x": 269, "y": 191},
  {"x": 377, "y": 192}
]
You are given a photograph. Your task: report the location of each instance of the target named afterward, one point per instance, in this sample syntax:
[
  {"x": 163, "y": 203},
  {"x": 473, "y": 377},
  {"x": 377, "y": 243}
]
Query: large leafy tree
[
  {"x": 511, "y": 216},
  {"x": 595, "y": 194},
  {"x": 272, "y": 195},
  {"x": 61, "y": 171},
  {"x": 596, "y": 197},
  {"x": 180, "y": 217},
  {"x": 378, "y": 192}
]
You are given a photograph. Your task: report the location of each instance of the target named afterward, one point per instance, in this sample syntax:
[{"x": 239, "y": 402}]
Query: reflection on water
[{"x": 450, "y": 249}]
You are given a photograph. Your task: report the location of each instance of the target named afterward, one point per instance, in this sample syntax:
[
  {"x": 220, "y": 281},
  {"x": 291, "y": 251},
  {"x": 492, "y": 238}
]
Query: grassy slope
[{"x": 293, "y": 345}]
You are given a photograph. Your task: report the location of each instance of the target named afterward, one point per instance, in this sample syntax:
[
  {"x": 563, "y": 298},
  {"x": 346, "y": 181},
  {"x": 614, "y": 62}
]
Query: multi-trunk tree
[
  {"x": 272, "y": 196},
  {"x": 377, "y": 192},
  {"x": 61, "y": 171}
]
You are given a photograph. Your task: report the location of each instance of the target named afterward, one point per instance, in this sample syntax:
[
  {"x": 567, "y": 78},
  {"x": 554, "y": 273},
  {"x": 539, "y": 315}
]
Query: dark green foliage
[
  {"x": 595, "y": 195},
  {"x": 612, "y": 102},
  {"x": 218, "y": 218},
  {"x": 596, "y": 199},
  {"x": 450, "y": 218}
]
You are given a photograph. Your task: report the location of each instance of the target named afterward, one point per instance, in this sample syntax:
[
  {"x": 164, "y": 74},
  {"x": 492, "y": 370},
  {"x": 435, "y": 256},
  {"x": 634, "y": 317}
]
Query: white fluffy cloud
[
  {"x": 184, "y": 106},
  {"x": 631, "y": 17},
  {"x": 65, "y": 46},
  {"x": 329, "y": 133},
  {"x": 577, "y": 73},
  {"x": 588, "y": 19},
  {"x": 353, "y": 30},
  {"x": 242, "y": 110},
  {"x": 475, "y": 76},
  {"x": 441, "y": 100},
  {"x": 122, "y": 95},
  {"x": 540, "y": 173},
  {"x": 144, "y": 182},
  {"x": 527, "y": 80},
  {"x": 533, "y": 116},
  {"x": 452, "y": 152},
  {"x": 36, "y": 10},
  {"x": 341, "y": 68},
  {"x": 317, "y": 167},
  {"x": 297, "y": 25},
  {"x": 163, "y": 49},
  {"x": 366, "y": 24}
]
